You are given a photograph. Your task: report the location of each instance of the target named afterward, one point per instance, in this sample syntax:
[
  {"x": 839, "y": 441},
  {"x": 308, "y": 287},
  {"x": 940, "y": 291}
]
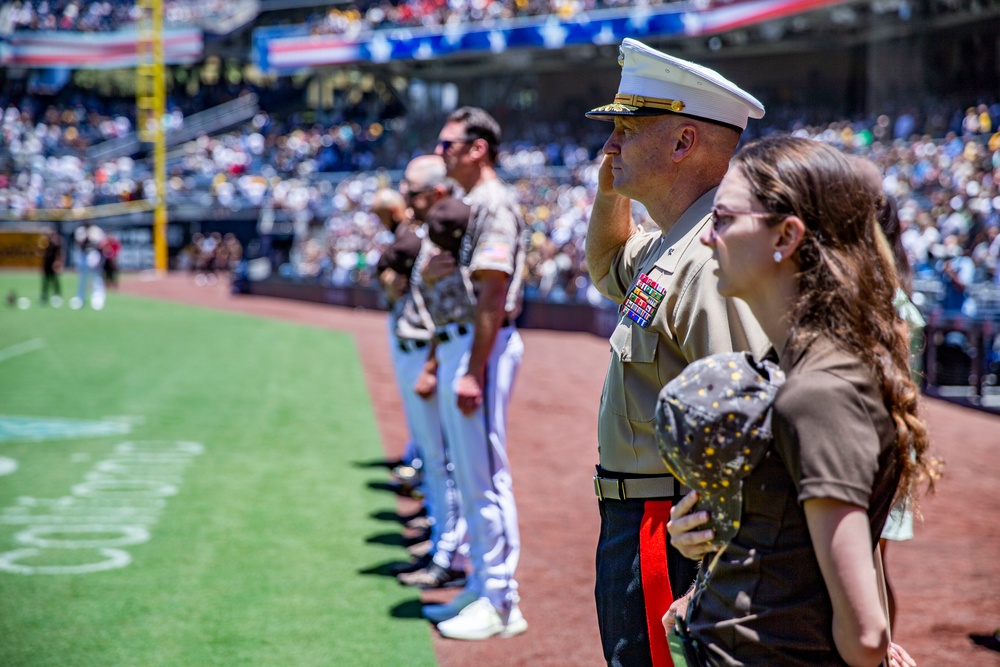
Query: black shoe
[
  {"x": 412, "y": 566},
  {"x": 433, "y": 576},
  {"x": 422, "y": 536}
]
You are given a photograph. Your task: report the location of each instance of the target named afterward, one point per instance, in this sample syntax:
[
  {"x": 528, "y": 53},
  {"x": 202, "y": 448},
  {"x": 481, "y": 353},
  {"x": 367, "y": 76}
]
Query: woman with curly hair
[{"x": 795, "y": 236}]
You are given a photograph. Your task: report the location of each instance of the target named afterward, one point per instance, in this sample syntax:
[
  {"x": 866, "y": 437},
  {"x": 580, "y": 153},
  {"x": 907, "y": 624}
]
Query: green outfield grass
[{"x": 271, "y": 549}]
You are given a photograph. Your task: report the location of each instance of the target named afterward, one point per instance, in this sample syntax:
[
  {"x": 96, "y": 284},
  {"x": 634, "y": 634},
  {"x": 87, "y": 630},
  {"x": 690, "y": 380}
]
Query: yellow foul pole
[{"x": 151, "y": 107}]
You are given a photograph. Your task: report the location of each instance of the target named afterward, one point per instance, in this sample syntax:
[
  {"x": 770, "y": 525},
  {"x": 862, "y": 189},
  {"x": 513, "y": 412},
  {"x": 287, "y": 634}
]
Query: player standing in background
[
  {"x": 51, "y": 247},
  {"x": 478, "y": 361},
  {"x": 428, "y": 191},
  {"x": 89, "y": 238},
  {"x": 393, "y": 271}
]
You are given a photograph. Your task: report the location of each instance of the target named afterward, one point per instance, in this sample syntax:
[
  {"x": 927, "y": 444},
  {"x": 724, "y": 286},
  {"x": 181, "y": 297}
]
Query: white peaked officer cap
[{"x": 654, "y": 83}]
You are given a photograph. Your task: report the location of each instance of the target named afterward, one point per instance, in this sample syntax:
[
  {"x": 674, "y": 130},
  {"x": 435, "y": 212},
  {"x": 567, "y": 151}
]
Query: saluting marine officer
[{"x": 676, "y": 127}]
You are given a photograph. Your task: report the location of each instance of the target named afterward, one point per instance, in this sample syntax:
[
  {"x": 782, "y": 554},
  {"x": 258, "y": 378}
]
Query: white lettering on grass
[
  {"x": 119, "y": 499},
  {"x": 111, "y": 559}
]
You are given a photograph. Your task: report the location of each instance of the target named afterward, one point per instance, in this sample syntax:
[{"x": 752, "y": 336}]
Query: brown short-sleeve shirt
[
  {"x": 766, "y": 602},
  {"x": 690, "y": 321}
]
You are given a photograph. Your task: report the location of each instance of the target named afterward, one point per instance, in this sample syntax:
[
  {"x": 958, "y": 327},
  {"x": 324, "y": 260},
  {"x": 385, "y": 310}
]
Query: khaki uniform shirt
[{"x": 691, "y": 321}]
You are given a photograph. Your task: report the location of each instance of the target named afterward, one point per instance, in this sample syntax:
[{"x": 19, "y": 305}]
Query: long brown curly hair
[{"x": 846, "y": 277}]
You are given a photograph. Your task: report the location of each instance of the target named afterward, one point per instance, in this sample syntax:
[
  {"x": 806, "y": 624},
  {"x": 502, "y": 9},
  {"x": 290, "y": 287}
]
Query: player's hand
[
  {"x": 470, "y": 394},
  {"x": 678, "y": 608},
  {"x": 399, "y": 286},
  {"x": 386, "y": 277},
  {"x": 438, "y": 266},
  {"x": 898, "y": 657},
  {"x": 686, "y": 533},
  {"x": 426, "y": 384}
]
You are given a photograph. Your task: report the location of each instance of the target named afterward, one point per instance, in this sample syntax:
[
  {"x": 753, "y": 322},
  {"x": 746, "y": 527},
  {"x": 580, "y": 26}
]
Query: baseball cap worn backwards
[
  {"x": 654, "y": 83},
  {"x": 713, "y": 426}
]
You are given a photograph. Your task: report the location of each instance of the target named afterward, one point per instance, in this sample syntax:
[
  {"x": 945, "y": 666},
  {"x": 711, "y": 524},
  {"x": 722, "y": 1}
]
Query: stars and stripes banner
[
  {"x": 285, "y": 48},
  {"x": 105, "y": 50}
]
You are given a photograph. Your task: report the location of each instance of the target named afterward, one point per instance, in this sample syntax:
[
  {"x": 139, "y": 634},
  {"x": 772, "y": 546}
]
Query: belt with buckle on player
[
  {"x": 412, "y": 345},
  {"x": 451, "y": 332},
  {"x": 634, "y": 488}
]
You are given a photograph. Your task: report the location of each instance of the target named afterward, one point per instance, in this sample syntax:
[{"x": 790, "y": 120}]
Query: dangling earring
[{"x": 777, "y": 257}]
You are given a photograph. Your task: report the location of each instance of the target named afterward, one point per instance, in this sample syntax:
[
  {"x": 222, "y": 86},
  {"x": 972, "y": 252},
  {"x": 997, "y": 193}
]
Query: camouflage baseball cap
[
  {"x": 447, "y": 221},
  {"x": 713, "y": 425}
]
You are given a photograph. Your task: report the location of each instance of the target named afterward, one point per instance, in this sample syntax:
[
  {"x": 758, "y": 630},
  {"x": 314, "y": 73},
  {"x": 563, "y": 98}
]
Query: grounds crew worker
[{"x": 677, "y": 125}]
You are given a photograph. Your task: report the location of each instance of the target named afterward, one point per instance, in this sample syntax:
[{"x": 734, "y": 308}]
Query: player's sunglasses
[
  {"x": 413, "y": 194},
  {"x": 445, "y": 144}
]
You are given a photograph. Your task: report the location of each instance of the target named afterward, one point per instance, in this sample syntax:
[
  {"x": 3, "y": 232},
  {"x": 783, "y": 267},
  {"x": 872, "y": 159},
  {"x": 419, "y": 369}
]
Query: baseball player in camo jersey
[
  {"x": 428, "y": 191},
  {"x": 393, "y": 270},
  {"x": 478, "y": 361}
]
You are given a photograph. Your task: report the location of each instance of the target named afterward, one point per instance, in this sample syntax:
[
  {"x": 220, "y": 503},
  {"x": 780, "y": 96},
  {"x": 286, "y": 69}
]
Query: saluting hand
[
  {"x": 686, "y": 536},
  {"x": 606, "y": 177}
]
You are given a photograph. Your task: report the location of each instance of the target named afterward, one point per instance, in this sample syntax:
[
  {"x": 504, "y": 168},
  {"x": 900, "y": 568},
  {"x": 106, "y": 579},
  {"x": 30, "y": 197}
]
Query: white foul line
[{"x": 21, "y": 348}]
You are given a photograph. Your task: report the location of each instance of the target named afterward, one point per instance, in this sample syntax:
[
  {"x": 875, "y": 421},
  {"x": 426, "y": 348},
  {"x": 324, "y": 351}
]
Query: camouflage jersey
[
  {"x": 449, "y": 300},
  {"x": 496, "y": 239}
]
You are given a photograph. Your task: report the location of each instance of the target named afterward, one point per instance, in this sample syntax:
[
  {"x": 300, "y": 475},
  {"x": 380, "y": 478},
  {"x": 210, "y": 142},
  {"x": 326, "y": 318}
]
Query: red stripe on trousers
[{"x": 656, "y": 591}]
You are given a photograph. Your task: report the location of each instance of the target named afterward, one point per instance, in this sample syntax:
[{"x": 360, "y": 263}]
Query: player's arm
[
  {"x": 610, "y": 227},
  {"x": 490, "y": 314}
]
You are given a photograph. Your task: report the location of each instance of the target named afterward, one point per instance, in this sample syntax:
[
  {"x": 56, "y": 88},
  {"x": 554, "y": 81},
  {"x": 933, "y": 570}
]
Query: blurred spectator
[
  {"x": 51, "y": 247},
  {"x": 957, "y": 271},
  {"x": 88, "y": 239},
  {"x": 111, "y": 249}
]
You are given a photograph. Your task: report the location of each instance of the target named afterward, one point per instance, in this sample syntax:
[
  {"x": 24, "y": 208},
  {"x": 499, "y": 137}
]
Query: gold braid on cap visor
[{"x": 633, "y": 102}]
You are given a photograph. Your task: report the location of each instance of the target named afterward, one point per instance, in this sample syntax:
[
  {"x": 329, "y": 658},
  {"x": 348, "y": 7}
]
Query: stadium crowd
[
  {"x": 941, "y": 165},
  {"x": 354, "y": 19},
  {"x": 348, "y": 19},
  {"x": 99, "y": 15}
]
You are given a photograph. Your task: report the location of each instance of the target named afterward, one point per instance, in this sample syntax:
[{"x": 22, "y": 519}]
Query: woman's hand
[
  {"x": 686, "y": 536},
  {"x": 898, "y": 657},
  {"x": 677, "y": 609}
]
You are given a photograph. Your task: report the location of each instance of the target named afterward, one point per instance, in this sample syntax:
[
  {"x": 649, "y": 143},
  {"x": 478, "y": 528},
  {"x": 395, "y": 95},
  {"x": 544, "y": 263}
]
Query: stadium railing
[{"x": 218, "y": 118}]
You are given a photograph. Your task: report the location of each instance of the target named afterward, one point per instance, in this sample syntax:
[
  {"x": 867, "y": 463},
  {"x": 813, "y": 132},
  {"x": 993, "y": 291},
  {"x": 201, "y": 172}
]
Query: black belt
[
  {"x": 412, "y": 345},
  {"x": 451, "y": 332}
]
